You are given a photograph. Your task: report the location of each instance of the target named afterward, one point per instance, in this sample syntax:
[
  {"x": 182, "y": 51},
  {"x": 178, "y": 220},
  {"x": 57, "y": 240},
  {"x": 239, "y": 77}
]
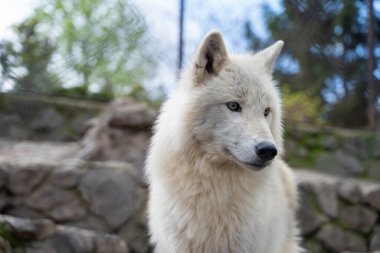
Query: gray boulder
[
  {"x": 339, "y": 240},
  {"x": 350, "y": 191},
  {"x": 44, "y": 236},
  {"x": 328, "y": 199},
  {"x": 46, "y": 120},
  {"x": 58, "y": 204},
  {"x": 375, "y": 239},
  {"x": 372, "y": 196},
  {"x": 113, "y": 195},
  {"x": 25, "y": 179},
  {"x": 120, "y": 133},
  {"x": 358, "y": 218},
  {"x": 308, "y": 216},
  {"x": 28, "y": 228},
  {"x": 374, "y": 170},
  {"x": 340, "y": 163}
]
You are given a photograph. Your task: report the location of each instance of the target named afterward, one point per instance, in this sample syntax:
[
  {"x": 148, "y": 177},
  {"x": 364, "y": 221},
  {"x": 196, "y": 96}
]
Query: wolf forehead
[{"x": 242, "y": 82}]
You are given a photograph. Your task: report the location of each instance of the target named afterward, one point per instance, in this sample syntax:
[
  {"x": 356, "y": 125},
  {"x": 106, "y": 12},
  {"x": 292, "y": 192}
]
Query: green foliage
[
  {"x": 18, "y": 244},
  {"x": 326, "y": 41},
  {"x": 82, "y": 92},
  {"x": 300, "y": 107},
  {"x": 26, "y": 63},
  {"x": 97, "y": 47}
]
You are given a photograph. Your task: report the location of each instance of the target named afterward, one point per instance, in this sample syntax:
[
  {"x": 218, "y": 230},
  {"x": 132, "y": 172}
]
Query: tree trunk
[
  {"x": 181, "y": 28},
  {"x": 371, "y": 93}
]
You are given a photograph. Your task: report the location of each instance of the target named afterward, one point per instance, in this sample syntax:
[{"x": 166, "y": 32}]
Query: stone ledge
[
  {"x": 338, "y": 214},
  {"x": 87, "y": 195},
  {"x": 107, "y": 197},
  {"x": 42, "y": 235}
]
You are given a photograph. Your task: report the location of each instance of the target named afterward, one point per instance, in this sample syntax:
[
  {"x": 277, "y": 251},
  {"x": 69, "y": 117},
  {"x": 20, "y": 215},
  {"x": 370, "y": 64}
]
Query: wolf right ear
[
  {"x": 270, "y": 54},
  {"x": 210, "y": 57}
]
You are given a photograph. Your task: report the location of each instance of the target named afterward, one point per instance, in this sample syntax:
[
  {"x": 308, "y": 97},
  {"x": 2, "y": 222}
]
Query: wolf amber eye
[
  {"x": 267, "y": 111},
  {"x": 234, "y": 106}
]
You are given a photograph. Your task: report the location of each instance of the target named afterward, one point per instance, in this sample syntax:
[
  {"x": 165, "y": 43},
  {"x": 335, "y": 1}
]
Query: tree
[
  {"x": 95, "y": 46},
  {"x": 25, "y": 64},
  {"x": 326, "y": 41},
  {"x": 371, "y": 68}
]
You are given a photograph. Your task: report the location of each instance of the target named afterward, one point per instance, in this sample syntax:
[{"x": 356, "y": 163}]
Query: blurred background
[
  {"x": 328, "y": 72},
  {"x": 81, "y": 82}
]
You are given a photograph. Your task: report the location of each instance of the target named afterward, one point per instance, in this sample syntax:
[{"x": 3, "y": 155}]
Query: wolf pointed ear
[
  {"x": 209, "y": 57},
  {"x": 270, "y": 54}
]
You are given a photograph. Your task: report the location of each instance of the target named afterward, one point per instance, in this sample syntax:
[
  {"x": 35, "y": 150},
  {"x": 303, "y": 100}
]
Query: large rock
[
  {"x": 339, "y": 240},
  {"x": 374, "y": 170},
  {"x": 328, "y": 199},
  {"x": 66, "y": 178},
  {"x": 329, "y": 142},
  {"x": 3, "y": 176},
  {"x": 58, "y": 204},
  {"x": 110, "y": 243},
  {"x": 350, "y": 191},
  {"x": 43, "y": 117},
  {"x": 375, "y": 239},
  {"x": 135, "y": 232},
  {"x": 4, "y": 201},
  {"x": 309, "y": 217},
  {"x": 113, "y": 195},
  {"x": 356, "y": 146},
  {"x": 45, "y": 236},
  {"x": 106, "y": 197},
  {"x": 340, "y": 163},
  {"x": 46, "y": 120},
  {"x": 25, "y": 179},
  {"x": 372, "y": 195},
  {"x": 121, "y": 133},
  {"x": 28, "y": 228},
  {"x": 91, "y": 222},
  {"x": 20, "y": 210},
  {"x": 12, "y": 127},
  {"x": 376, "y": 147},
  {"x": 358, "y": 218}
]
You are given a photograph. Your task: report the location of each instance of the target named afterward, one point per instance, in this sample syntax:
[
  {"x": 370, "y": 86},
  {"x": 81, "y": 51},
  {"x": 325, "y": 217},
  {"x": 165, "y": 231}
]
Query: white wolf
[{"x": 217, "y": 181}]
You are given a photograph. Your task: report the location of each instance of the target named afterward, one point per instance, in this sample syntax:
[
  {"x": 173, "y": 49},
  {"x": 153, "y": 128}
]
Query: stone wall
[
  {"x": 45, "y": 118},
  {"x": 121, "y": 132},
  {"x": 338, "y": 215},
  {"x": 101, "y": 197},
  {"x": 43, "y": 236},
  {"x": 335, "y": 151},
  {"x": 91, "y": 200}
]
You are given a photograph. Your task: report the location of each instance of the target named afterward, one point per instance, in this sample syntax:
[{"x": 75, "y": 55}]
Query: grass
[{"x": 18, "y": 244}]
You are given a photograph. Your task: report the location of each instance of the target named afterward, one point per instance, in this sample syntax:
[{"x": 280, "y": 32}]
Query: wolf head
[{"x": 235, "y": 105}]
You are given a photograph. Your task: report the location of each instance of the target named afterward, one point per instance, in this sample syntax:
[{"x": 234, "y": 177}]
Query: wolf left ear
[
  {"x": 270, "y": 54},
  {"x": 210, "y": 56}
]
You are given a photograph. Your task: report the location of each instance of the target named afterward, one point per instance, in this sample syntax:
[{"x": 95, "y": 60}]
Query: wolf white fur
[{"x": 209, "y": 190}]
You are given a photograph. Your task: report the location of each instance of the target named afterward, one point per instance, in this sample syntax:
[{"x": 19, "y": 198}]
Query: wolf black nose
[{"x": 266, "y": 151}]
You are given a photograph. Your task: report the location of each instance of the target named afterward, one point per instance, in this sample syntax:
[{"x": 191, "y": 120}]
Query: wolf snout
[{"x": 266, "y": 151}]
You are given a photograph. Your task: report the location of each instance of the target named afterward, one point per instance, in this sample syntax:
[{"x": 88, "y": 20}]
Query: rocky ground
[
  {"x": 338, "y": 214},
  {"x": 43, "y": 235},
  {"x": 68, "y": 205}
]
